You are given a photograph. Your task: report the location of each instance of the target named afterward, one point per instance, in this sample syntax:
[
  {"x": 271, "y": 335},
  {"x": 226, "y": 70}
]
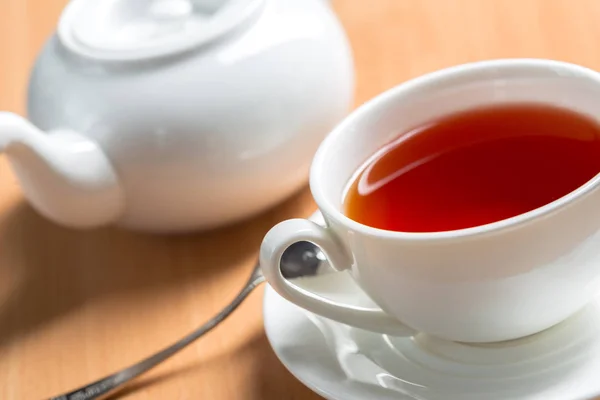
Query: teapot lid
[{"x": 123, "y": 30}]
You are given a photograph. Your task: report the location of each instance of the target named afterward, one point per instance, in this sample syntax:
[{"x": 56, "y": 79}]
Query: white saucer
[{"x": 343, "y": 363}]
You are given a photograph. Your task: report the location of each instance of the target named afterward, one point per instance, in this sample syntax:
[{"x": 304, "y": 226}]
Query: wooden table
[{"x": 75, "y": 306}]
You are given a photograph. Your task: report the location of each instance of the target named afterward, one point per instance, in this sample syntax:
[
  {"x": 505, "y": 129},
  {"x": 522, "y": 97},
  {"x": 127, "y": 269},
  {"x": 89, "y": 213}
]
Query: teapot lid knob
[{"x": 122, "y": 30}]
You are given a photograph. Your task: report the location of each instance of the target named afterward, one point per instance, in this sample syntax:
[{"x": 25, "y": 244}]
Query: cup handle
[{"x": 286, "y": 233}]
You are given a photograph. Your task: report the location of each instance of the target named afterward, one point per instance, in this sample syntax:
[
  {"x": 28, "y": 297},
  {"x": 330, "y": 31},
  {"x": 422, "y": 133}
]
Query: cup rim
[{"x": 559, "y": 68}]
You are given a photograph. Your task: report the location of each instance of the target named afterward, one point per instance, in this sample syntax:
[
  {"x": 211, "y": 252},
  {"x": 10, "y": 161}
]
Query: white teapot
[{"x": 175, "y": 115}]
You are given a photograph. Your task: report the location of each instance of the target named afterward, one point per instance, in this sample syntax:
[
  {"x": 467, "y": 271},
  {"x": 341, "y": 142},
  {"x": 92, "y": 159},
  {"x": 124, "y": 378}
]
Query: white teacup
[{"x": 488, "y": 283}]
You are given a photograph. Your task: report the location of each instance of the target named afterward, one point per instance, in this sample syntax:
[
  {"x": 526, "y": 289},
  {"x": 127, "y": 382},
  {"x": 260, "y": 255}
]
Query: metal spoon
[{"x": 300, "y": 259}]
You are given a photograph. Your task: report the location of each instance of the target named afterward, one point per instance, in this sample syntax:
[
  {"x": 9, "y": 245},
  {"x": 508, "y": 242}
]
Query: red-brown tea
[{"x": 475, "y": 167}]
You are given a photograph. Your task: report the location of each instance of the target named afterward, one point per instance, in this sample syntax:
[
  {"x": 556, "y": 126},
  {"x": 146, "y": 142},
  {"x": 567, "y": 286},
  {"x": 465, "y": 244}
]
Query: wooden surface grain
[{"x": 75, "y": 306}]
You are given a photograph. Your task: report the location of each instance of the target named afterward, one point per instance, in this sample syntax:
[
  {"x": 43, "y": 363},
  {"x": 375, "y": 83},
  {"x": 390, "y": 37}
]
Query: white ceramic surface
[
  {"x": 171, "y": 115},
  {"x": 344, "y": 363},
  {"x": 495, "y": 282}
]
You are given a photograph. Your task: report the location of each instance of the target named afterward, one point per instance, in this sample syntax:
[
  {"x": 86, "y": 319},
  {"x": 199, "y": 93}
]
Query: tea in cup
[{"x": 465, "y": 203}]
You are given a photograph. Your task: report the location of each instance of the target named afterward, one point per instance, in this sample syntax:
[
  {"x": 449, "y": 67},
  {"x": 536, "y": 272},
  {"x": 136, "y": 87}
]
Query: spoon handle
[{"x": 108, "y": 385}]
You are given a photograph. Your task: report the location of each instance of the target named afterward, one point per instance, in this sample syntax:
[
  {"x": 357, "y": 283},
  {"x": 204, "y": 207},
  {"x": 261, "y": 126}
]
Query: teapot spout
[{"x": 64, "y": 175}]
